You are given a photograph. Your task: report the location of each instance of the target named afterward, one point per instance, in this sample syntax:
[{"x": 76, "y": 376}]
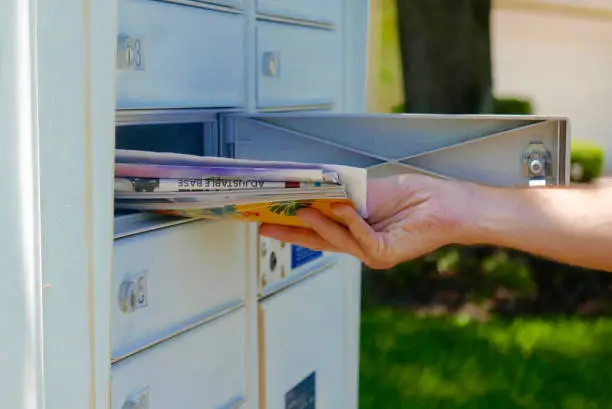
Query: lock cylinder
[
  {"x": 133, "y": 293},
  {"x": 537, "y": 165}
]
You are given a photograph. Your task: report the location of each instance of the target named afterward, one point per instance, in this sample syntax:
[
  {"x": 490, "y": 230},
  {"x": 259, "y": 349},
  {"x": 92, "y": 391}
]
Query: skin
[{"x": 412, "y": 215}]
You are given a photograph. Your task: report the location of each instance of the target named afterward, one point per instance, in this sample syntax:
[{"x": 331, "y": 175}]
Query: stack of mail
[{"x": 223, "y": 188}]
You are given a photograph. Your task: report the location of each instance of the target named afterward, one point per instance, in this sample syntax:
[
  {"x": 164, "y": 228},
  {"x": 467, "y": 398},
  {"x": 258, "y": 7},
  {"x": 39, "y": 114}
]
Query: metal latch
[
  {"x": 131, "y": 52},
  {"x": 271, "y": 64},
  {"x": 133, "y": 293},
  {"x": 537, "y": 164}
]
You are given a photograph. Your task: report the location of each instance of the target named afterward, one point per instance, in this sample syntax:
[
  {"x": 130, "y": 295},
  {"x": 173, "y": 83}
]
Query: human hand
[{"x": 409, "y": 216}]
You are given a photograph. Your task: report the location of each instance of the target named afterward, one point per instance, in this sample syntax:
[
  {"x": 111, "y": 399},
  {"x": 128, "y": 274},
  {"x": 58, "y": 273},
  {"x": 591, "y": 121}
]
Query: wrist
[{"x": 494, "y": 215}]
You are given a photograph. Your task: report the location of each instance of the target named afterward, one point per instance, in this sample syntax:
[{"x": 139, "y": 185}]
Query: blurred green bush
[
  {"x": 501, "y": 106},
  {"x": 587, "y": 161},
  {"x": 398, "y": 109},
  {"x": 512, "y": 106},
  {"x": 453, "y": 276}
]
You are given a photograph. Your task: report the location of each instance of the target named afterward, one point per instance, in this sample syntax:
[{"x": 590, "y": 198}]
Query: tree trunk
[{"x": 445, "y": 47}]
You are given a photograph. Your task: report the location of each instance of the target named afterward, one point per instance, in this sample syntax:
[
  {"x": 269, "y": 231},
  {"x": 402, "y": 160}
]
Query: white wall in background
[{"x": 562, "y": 60}]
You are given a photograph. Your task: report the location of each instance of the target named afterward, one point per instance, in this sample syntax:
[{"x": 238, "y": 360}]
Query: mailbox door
[
  {"x": 301, "y": 332},
  {"x": 307, "y": 331},
  {"x": 491, "y": 149}
]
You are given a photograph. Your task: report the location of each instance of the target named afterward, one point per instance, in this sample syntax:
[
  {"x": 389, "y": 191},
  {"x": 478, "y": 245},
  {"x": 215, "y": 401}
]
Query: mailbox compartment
[
  {"x": 189, "y": 131},
  {"x": 301, "y": 355},
  {"x": 192, "y": 138},
  {"x": 203, "y": 368},
  {"x": 297, "y": 66},
  {"x": 169, "y": 279},
  {"x": 178, "y": 56}
]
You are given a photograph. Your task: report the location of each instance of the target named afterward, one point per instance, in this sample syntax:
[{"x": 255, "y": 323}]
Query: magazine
[{"x": 234, "y": 189}]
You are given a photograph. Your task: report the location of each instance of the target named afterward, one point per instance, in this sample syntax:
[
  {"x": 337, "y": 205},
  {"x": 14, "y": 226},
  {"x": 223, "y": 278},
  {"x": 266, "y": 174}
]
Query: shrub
[
  {"x": 398, "y": 109},
  {"x": 501, "y": 106},
  {"x": 587, "y": 159},
  {"x": 512, "y": 106}
]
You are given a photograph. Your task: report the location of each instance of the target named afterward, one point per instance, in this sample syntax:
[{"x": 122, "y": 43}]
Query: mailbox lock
[
  {"x": 270, "y": 63},
  {"x": 537, "y": 164},
  {"x": 273, "y": 261},
  {"x": 272, "y": 66},
  {"x": 127, "y": 296},
  {"x": 133, "y": 293},
  {"x": 125, "y": 53},
  {"x": 131, "y": 52}
]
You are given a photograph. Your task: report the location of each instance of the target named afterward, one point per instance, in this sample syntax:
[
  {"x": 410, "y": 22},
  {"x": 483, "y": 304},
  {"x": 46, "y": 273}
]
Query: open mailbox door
[
  {"x": 309, "y": 331},
  {"x": 489, "y": 149}
]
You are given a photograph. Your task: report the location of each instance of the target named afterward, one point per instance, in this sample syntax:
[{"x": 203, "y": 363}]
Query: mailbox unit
[{"x": 123, "y": 310}]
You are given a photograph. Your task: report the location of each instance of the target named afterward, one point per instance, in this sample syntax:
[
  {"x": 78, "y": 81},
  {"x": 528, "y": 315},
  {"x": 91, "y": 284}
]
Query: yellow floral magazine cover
[{"x": 283, "y": 212}]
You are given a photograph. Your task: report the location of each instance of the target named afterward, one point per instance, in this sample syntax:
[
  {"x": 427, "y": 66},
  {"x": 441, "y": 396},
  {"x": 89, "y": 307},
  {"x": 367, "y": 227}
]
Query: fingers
[
  {"x": 356, "y": 238},
  {"x": 332, "y": 232},
  {"x": 297, "y": 235},
  {"x": 359, "y": 228}
]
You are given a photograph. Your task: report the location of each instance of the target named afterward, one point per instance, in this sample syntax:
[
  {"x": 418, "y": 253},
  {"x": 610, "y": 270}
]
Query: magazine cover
[{"x": 283, "y": 213}]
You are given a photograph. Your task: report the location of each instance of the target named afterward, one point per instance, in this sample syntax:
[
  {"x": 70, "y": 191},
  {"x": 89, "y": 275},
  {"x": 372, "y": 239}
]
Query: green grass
[{"x": 411, "y": 362}]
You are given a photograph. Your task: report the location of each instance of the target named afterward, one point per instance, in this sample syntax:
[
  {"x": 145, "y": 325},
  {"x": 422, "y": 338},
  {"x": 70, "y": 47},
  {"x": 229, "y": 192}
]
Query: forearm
[{"x": 569, "y": 225}]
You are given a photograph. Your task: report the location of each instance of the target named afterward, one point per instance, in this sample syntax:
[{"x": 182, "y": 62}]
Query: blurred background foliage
[
  {"x": 474, "y": 326},
  {"x": 587, "y": 161}
]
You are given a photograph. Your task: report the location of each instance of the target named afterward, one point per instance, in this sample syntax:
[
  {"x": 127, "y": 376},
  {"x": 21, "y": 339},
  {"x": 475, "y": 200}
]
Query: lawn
[{"x": 412, "y": 362}]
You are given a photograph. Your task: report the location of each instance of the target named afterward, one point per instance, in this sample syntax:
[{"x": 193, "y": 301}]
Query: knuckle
[
  {"x": 378, "y": 259},
  {"x": 379, "y": 264}
]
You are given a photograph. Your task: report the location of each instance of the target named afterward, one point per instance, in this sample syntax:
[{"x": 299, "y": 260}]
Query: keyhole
[
  {"x": 536, "y": 166},
  {"x": 129, "y": 55},
  {"x": 273, "y": 262},
  {"x": 272, "y": 66}
]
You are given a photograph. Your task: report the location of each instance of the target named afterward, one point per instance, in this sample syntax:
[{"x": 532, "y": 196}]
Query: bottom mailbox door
[
  {"x": 204, "y": 368},
  {"x": 301, "y": 345}
]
